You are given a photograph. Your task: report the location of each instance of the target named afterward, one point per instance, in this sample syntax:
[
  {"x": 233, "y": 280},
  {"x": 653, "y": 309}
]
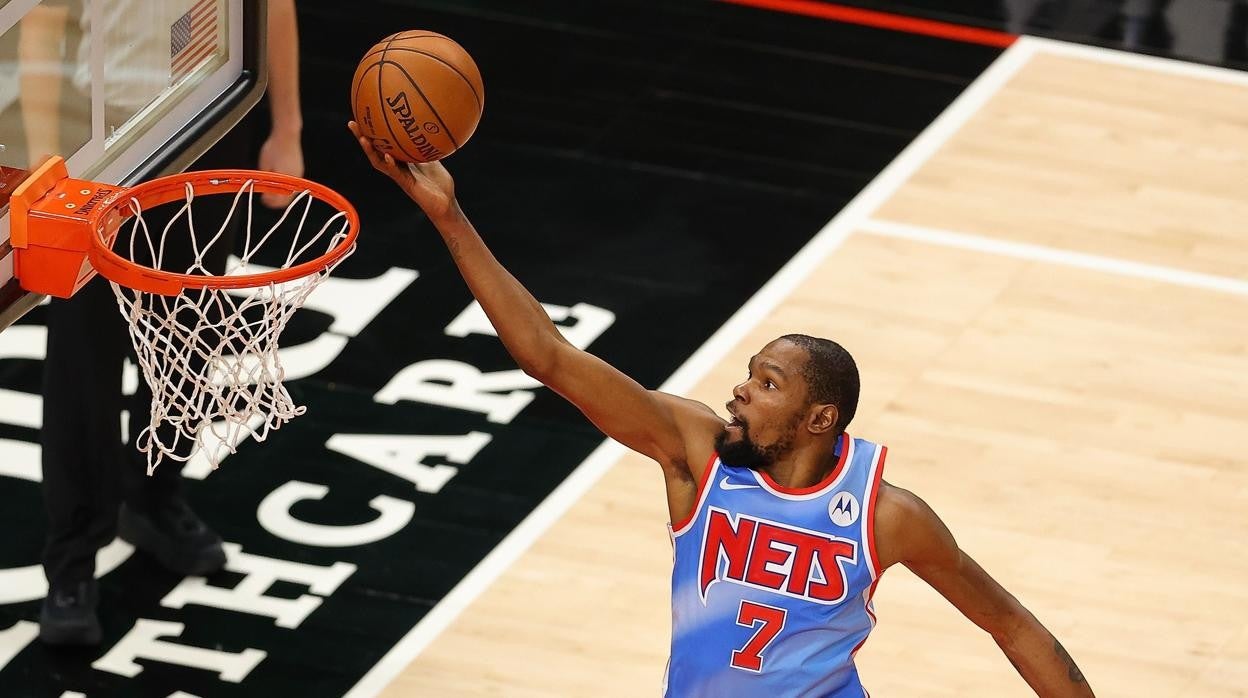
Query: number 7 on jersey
[{"x": 769, "y": 621}]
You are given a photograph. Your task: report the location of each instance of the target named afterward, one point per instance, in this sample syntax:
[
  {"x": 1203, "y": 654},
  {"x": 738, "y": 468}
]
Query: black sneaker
[
  {"x": 175, "y": 536},
  {"x": 68, "y": 615}
]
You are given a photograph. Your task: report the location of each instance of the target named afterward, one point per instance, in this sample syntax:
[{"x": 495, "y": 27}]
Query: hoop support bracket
[{"x": 52, "y": 219}]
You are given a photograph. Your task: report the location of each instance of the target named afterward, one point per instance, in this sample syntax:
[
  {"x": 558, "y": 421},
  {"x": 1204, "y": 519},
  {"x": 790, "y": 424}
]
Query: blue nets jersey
[{"x": 771, "y": 586}]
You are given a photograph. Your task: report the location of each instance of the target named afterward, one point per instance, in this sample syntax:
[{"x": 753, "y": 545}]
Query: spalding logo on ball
[{"x": 417, "y": 95}]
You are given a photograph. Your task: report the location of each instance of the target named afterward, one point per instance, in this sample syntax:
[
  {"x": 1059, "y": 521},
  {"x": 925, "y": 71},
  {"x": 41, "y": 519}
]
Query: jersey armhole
[
  {"x": 683, "y": 525},
  {"x": 873, "y": 493}
]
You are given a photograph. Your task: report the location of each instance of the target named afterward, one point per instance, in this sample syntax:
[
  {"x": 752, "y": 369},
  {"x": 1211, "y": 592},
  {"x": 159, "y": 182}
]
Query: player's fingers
[
  {"x": 374, "y": 156},
  {"x": 366, "y": 144},
  {"x": 382, "y": 162},
  {"x": 392, "y": 167},
  {"x": 378, "y": 159}
]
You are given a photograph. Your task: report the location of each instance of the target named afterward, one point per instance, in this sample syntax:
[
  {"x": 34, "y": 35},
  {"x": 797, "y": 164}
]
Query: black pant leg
[{"x": 81, "y": 433}]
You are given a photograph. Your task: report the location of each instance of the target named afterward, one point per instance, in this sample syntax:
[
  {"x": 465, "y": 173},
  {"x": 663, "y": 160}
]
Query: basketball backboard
[{"x": 124, "y": 90}]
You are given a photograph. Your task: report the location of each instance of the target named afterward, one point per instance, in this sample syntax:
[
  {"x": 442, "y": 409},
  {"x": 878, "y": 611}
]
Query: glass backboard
[{"x": 124, "y": 90}]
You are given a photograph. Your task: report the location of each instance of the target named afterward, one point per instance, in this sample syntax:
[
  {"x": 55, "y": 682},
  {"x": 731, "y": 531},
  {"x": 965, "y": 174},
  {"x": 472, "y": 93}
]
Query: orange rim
[{"x": 165, "y": 190}]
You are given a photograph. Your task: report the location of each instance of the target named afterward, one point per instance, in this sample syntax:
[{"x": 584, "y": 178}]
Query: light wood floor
[{"x": 1084, "y": 434}]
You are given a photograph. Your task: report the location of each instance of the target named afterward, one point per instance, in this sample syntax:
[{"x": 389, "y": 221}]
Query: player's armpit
[{"x": 909, "y": 532}]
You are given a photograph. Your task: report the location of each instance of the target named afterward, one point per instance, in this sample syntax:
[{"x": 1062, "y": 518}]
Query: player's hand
[
  {"x": 428, "y": 184},
  {"x": 282, "y": 153}
]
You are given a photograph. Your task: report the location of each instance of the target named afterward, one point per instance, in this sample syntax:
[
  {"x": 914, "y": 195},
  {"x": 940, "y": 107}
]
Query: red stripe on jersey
[
  {"x": 867, "y": 608},
  {"x": 697, "y": 498},
  {"x": 867, "y": 605},
  {"x": 869, "y": 512}
]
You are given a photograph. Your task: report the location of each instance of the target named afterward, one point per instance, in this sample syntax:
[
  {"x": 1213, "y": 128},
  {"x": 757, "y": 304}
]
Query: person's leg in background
[{"x": 81, "y": 442}]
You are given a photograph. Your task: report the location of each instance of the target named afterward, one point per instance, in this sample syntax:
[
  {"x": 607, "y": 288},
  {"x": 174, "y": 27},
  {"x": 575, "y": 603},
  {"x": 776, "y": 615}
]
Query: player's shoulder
[
  {"x": 899, "y": 515},
  {"x": 894, "y": 501}
]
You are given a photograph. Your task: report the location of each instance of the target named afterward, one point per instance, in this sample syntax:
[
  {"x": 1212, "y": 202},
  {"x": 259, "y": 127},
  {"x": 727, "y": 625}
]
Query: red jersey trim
[
  {"x": 831, "y": 477},
  {"x": 872, "y": 495},
  {"x": 678, "y": 529},
  {"x": 870, "y": 614}
]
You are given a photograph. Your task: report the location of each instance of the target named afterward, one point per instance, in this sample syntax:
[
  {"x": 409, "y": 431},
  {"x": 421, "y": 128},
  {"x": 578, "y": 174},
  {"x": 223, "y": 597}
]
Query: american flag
[{"x": 192, "y": 38}]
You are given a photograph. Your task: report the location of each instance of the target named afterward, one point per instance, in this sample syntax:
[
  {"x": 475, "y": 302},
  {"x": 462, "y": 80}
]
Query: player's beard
[{"x": 745, "y": 453}]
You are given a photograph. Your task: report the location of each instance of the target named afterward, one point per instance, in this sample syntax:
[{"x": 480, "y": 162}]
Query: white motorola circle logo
[{"x": 843, "y": 509}]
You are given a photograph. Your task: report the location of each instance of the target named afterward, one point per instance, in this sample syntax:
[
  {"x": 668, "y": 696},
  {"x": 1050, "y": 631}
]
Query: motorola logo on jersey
[
  {"x": 844, "y": 509},
  {"x": 765, "y": 554}
]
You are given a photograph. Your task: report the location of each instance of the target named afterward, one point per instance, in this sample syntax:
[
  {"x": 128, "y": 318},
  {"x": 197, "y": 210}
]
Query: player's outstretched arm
[
  {"x": 652, "y": 423},
  {"x": 909, "y": 532}
]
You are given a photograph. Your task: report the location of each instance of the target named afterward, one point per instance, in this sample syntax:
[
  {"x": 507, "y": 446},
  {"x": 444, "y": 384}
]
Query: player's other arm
[
  {"x": 652, "y": 423},
  {"x": 909, "y": 532}
]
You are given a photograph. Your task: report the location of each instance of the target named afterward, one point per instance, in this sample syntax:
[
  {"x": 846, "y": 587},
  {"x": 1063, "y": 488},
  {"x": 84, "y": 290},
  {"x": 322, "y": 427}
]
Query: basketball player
[{"x": 781, "y": 523}]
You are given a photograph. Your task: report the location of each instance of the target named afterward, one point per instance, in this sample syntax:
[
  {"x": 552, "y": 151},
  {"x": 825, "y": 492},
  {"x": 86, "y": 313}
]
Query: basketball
[{"x": 417, "y": 95}]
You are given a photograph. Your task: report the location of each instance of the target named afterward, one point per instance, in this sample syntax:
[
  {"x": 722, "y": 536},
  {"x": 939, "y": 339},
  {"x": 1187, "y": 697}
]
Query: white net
[{"x": 210, "y": 355}]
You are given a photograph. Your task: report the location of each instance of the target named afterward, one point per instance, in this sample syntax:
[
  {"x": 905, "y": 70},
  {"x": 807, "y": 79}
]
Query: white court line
[
  {"x": 1053, "y": 255},
  {"x": 697, "y": 365}
]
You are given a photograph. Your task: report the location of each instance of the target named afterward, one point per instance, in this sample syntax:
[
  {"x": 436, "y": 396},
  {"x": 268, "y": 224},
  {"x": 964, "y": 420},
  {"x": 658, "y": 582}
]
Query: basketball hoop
[{"x": 206, "y": 343}]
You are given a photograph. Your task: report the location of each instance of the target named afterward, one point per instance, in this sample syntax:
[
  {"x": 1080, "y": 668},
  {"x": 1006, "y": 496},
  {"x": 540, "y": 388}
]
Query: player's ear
[{"x": 822, "y": 418}]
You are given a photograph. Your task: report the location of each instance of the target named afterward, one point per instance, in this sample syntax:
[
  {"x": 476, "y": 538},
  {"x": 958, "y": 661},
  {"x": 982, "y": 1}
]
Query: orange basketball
[{"x": 417, "y": 95}]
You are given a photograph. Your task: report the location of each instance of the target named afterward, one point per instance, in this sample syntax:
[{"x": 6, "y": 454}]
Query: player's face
[{"x": 767, "y": 408}]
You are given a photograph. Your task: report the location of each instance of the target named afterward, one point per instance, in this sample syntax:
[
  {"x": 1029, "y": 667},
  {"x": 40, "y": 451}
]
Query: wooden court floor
[{"x": 1048, "y": 299}]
